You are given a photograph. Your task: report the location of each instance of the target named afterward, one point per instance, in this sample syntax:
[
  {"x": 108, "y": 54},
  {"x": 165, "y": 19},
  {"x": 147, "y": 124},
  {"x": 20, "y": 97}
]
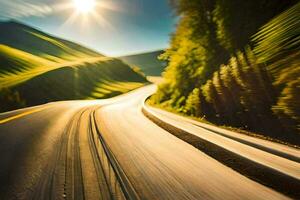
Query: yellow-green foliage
[
  {"x": 193, "y": 103},
  {"x": 279, "y": 37},
  {"x": 249, "y": 89},
  {"x": 278, "y": 45},
  {"x": 288, "y": 105}
]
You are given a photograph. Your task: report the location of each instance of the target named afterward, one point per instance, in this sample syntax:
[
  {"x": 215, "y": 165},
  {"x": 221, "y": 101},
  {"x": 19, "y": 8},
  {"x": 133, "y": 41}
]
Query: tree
[
  {"x": 212, "y": 71},
  {"x": 193, "y": 105},
  {"x": 211, "y": 96},
  {"x": 288, "y": 106},
  {"x": 233, "y": 96},
  {"x": 195, "y": 52}
]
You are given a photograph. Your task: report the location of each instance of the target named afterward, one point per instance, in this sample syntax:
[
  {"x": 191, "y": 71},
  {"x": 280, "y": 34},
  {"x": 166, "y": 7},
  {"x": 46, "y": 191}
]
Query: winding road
[{"x": 109, "y": 149}]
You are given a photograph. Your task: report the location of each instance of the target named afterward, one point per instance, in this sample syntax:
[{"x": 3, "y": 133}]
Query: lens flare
[{"x": 84, "y": 6}]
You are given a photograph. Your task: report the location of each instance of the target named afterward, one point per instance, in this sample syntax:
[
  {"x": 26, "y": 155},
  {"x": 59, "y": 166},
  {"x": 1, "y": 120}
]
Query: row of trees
[
  {"x": 244, "y": 92},
  {"x": 239, "y": 94}
]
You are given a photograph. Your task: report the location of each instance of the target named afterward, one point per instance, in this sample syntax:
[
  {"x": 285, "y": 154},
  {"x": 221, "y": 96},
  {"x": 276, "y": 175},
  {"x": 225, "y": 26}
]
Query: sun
[{"x": 84, "y": 6}]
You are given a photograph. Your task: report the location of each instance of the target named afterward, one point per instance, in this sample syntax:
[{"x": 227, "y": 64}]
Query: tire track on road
[
  {"x": 73, "y": 171},
  {"x": 62, "y": 178}
]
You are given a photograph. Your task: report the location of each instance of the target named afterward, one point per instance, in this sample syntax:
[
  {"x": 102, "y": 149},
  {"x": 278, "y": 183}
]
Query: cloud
[{"x": 15, "y": 9}]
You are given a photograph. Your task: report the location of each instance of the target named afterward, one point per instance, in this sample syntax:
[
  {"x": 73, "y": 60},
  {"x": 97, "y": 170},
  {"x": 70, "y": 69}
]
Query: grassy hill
[
  {"x": 33, "y": 41},
  {"x": 147, "y": 62},
  {"x": 42, "y": 68}
]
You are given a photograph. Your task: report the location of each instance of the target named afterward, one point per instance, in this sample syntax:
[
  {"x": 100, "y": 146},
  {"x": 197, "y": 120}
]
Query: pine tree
[
  {"x": 233, "y": 91},
  {"x": 211, "y": 96},
  {"x": 193, "y": 104}
]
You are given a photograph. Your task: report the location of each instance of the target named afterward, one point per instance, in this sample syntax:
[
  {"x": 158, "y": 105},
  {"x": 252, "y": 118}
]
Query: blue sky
[{"x": 121, "y": 27}]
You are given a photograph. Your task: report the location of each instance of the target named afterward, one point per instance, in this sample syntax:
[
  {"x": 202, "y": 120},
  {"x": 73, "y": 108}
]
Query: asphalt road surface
[{"x": 108, "y": 149}]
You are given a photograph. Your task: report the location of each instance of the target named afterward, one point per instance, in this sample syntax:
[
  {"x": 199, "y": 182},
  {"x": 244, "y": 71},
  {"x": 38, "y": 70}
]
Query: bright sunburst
[
  {"x": 84, "y": 6},
  {"x": 86, "y": 12}
]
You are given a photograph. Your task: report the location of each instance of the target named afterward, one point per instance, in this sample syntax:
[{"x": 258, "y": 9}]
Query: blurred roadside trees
[{"x": 235, "y": 63}]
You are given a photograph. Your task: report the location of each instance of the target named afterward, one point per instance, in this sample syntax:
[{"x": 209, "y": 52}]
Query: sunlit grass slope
[
  {"x": 102, "y": 79},
  {"x": 33, "y": 41},
  {"x": 147, "y": 62},
  {"x": 43, "y": 68},
  {"x": 18, "y": 66}
]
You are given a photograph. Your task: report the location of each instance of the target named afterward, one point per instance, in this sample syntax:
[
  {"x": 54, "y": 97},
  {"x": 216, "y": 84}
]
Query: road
[{"x": 108, "y": 149}]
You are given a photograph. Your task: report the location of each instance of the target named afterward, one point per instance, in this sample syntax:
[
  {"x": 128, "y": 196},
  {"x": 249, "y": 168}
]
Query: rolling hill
[
  {"x": 43, "y": 68},
  {"x": 33, "y": 41},
  {"x": 147, "y": 62}
]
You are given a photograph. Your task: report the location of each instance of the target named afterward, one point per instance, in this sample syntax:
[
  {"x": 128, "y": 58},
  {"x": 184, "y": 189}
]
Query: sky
[{"x": 112, "y": 27}]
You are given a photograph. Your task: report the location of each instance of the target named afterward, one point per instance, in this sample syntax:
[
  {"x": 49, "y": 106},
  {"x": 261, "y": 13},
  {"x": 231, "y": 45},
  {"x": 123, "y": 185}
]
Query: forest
[{"x": 236, "y": 63}]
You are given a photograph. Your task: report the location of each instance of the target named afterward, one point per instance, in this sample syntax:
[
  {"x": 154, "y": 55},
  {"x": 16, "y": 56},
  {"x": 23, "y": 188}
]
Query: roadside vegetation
[
  {"x": 38, "y": 68},
  {"x": 236, "y": 64}
]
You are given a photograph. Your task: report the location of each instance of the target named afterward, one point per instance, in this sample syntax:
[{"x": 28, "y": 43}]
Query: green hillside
[
  {"x": 41, "y": 68},
  {"x": 33, "y": 41},
  {"x": 147, "y": 62}
]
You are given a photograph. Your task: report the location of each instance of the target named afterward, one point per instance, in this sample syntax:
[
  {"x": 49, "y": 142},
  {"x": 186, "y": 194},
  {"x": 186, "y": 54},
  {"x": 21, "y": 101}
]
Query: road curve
[{"x": 108, "y": 149}]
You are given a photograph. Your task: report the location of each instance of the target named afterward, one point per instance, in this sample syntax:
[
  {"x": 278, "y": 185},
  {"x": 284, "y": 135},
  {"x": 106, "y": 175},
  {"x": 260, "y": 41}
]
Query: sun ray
[
  {"x": 60, "y": 7},
  {"x": 87, "y": 11},
  {"x": 100, "y": 20},
  {"x": 70, "y": 20},
  {"x": 109, "y": 6}
]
